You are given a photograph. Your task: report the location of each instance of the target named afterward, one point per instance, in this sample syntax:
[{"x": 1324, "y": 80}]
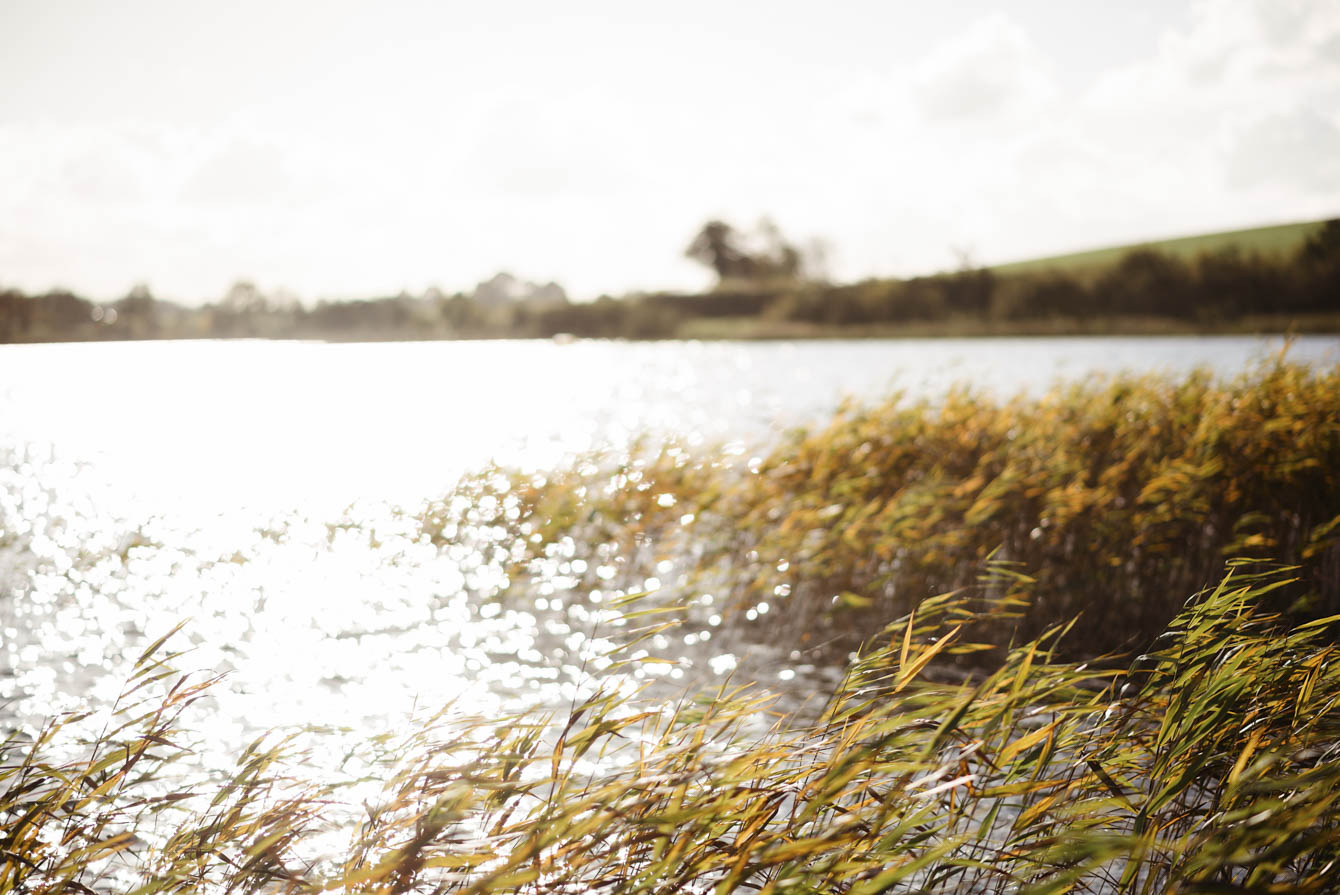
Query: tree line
[{"x": 761, "y": 279}]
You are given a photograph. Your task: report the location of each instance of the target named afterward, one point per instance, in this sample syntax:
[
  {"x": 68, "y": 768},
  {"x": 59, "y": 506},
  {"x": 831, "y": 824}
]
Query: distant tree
[
  {"x": 1230, "y": 283},
  {"x": 1323, "y": 246},
  {"x": 968, "y": 289},
  {"x": 778, "y": 258},
  {"x": 240, "y": 311},
  {"x": 61, "y": 313},
  {"x": 1047, "y": 293},
  {"x": 1319, "y": 269},
  {"x": 1147, "y": 281},
  {"x": 759, "y": 257},
  {"x": 244, "y": 298},
  {"x": 137, "y": 313},
  {"x": 16, "y": 313},
  {"x": 720, "y": 247}
]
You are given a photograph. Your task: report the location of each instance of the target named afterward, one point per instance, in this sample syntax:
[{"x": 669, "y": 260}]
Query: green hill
[{"x": 1276, "y": 240}]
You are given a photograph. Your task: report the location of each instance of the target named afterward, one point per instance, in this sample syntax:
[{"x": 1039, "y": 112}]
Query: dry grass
[
  {"x": 1119, "y": 496},
  {"x": 1208, "y": 766}
]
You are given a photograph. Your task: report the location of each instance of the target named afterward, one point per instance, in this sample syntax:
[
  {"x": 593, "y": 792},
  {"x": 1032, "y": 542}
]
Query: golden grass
[
  {"x": 1118, "y": 496},
  {"x": 1207, "y": 766}
]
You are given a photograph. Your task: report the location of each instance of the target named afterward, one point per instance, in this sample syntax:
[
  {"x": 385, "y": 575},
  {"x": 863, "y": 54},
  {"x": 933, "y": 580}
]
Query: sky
[{"x": 339, "y": 149}]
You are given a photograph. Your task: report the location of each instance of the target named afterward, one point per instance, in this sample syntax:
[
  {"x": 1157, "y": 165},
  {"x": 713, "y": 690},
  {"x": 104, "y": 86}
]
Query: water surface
[{"x": 265, "y": 494}]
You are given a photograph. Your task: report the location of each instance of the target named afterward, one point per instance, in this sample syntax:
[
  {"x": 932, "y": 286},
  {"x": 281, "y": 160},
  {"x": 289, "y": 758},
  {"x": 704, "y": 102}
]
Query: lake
[{"x": 265, "y": 495}]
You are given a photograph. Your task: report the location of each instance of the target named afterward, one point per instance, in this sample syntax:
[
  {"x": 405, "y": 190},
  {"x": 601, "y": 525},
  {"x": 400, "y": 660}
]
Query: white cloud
[
  {"x": 1237, "y": 61},
  {"x": 994, "y": 67},
  {"x": 244, "y": 172},
  {"x": 1298, "y": 151},
  {"x": 1234, "y": 120}
]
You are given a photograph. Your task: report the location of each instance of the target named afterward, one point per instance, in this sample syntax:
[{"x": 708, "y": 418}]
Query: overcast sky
[{"x": 341, "y": 149}]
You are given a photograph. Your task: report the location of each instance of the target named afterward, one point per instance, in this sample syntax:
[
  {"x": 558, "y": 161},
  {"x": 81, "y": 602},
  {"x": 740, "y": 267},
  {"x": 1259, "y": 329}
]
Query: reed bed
[
  {"x": 1017, "y": 542},
  {"x": 1208, "y": 765},
  {"x": 1119, "y": 496}
]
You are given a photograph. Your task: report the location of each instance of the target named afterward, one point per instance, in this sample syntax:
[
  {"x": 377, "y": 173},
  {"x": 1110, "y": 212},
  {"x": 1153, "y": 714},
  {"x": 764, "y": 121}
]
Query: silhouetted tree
[
  {"x": 764, "y": 256},
  {"x": 1323, "y": 246},
  {"x": 718, "y": 245},
  {"x": 16, "y": 315},
  {"x": 61, "y": 314},
  {"x": 1319, "y": 267},
  {"x": 244, "y": 298},
  {"x": 778, "y": 259},
  {"x": 1230, "y": 283},
  {"x": 137, "y": 313},
  {"x": 1146, "y": 281},
  {"x": 1047, "y": 294}
]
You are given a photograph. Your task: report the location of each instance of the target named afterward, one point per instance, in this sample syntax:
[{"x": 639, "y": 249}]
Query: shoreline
[{"x": 754, "y": 329}]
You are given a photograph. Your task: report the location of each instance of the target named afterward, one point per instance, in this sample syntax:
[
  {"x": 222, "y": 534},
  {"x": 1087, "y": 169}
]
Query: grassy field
[
  {"x": 1277, "y": 240},
  {"x": 964, "y": 326},
  {"x": 980, "y": 559}
]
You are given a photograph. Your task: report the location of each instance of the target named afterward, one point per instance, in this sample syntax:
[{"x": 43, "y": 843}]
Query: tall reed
[
  {"x": 1210, "y": 765},
  {"x": 1117, "y": 495}
]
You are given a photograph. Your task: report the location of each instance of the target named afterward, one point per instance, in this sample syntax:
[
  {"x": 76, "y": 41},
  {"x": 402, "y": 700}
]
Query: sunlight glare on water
[
  {"x": 280, "y": 425},
  {"x": 267, "y": 494}
]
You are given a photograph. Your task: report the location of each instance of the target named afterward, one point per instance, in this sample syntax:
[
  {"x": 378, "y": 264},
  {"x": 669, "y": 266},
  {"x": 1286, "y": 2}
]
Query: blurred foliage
[
  {"x": 1119, "y": 497},
  {"x": 762, "y": 257},
  {"x": 764, "y": 280}
]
